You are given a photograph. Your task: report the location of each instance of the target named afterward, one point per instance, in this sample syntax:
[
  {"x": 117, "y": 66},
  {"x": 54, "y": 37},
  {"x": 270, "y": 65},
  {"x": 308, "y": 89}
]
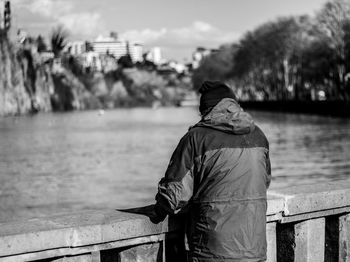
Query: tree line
[{"x": 290, "y": 58}]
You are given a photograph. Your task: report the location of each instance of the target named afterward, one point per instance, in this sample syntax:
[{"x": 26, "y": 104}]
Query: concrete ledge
[
  {"x": 275, "y": 204},
  {"x": 84, "y": 231},
  {"x": 74, "y": 251},
  {"x": 317, "y": 214},
  {"x": 75, "y": 230},
  {"x": 88, "y": 228},
  {"x": 313, "y": 197}
]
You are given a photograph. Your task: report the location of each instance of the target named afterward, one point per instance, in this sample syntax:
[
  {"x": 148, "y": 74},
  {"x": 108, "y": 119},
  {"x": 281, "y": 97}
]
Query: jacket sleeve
[
  {"x": 175, "y": 189},
  {"x": 268, "y": 170}
]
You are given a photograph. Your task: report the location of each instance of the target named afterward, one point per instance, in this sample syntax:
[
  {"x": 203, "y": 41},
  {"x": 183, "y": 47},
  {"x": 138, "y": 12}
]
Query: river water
[{"x": 58, "y": 163}]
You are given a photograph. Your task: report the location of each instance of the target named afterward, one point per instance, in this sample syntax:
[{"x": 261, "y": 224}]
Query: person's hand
[{"x": 157, "y": 215}]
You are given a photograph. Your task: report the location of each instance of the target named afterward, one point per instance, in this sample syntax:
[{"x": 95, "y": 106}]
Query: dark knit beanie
[{"x": 212, "y": 92}]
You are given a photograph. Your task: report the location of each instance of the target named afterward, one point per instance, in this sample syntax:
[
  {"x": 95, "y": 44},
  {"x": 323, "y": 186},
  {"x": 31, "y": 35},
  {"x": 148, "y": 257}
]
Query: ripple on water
[{"x": 54, "y": 163}]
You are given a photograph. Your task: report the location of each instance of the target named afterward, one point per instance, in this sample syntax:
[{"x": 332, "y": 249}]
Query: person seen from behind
[{"x": 219, "y": 173}]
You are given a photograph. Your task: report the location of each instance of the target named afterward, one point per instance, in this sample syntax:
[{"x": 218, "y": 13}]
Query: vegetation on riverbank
[
  {"x": 29, "y": 83},
  {"x": 132, "y": 86},
  {"x": 291, "y": 58},
  {"x": 300, "y": 58}
]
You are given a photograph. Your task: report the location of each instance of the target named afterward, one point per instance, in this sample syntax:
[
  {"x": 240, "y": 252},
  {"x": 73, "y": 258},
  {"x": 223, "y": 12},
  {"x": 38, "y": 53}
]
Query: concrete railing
[{"x": 304, "y": 223}]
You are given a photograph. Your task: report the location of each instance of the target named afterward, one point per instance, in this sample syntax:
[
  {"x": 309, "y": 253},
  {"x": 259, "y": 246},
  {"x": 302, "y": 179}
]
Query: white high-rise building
[
  {"x": 136, "y": 52},
  {"x": 118, "y": 48},
  {"x": 76, "y": 47},
  {"x": 155, "y": 55}
]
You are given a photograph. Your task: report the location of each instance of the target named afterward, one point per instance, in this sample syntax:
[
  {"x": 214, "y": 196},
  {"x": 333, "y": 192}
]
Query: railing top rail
[
  {"x": 73, "y": 230},
  {"x": 96, "y": 227},
  {"x": 312, "y": 197}
]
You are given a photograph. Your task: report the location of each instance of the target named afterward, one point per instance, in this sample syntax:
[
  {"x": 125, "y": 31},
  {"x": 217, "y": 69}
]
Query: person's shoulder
[
  {"x": 260, "y": 136},
  {"x": 258, "y": 130},
  {"x": 198, "y": 131},
  {"x": 194, "y": 134}
]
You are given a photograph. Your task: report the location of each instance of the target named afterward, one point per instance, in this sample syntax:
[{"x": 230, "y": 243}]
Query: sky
[{"x": 177, "y": 26}]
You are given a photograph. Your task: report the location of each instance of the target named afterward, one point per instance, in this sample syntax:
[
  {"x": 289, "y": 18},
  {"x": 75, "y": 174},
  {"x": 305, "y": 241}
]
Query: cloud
[
  {"x": 46, "y": 8},
  {"x": 40, "y": 16},
  {"x": 200, "y": 26},
  {"x": 144, "y": 36},
  {"x": 198, "y": 33},
  {"x": 82, "y": 24},
  {"x": 50, "y": 8},
  {"x": 180, "y": 42}
]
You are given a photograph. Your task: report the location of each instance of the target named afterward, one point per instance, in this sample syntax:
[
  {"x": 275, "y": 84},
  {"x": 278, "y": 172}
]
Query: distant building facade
[
  {"x": 96, "y": 62},
  {"x": 178, "y": 67},
  {"x": 118, "y": 48},
  {"x": 155, "y": 55},
  {"x": 92, "y": 60},
  {"x": 136, "y": 52},
  {"x": 76, "y": 47}
]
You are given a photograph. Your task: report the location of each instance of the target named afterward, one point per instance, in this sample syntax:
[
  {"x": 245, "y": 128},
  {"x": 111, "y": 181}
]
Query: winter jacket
[{"x": 220, "y": 171}]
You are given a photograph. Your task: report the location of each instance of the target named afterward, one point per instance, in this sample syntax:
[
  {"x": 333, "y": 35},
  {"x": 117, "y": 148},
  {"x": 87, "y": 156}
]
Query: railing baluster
[
  {"x": 96, "y": 256},
  {"x": 271, "y": 242},
  {"x": 344, "y": 238},
  {"x": 301, "y": 242},
  {"x": 310, "y": 240}
]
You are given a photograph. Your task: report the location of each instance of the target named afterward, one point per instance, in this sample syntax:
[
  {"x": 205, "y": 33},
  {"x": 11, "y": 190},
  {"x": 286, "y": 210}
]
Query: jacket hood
[{"x": 228, "y": 116}]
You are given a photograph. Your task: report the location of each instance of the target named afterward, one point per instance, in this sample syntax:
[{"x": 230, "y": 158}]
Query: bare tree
[{"x": 333, "y": 22}]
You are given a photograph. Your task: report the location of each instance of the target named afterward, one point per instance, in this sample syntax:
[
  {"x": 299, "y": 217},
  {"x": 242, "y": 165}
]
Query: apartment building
[
  {"x": 76, "y": 47},
  {"x": 118, "y": 48}
]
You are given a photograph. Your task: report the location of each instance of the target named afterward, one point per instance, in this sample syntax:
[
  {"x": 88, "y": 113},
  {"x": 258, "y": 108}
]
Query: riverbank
[
  {"x": 322, "y": 108},
  {"x": 30, "y": 82}
]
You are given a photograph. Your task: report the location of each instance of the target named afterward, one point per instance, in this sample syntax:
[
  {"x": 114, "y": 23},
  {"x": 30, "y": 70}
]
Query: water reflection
[{"x": 54, "y": 163}]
